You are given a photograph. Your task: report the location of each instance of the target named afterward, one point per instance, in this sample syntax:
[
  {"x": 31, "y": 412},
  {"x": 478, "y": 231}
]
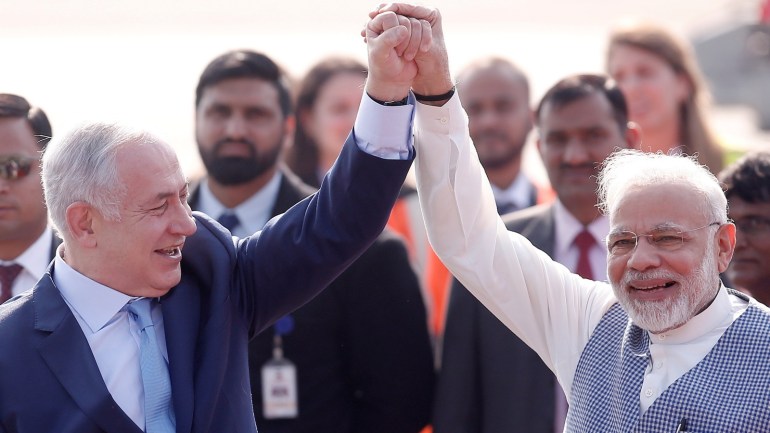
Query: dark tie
[
  {"x": 158, "y": 409},
  {"x": 505, "y": 208},
  {"x": 8, "y": 274},
  {"x": 584, "y": 241},
  {"x": 228, "y": 220}
]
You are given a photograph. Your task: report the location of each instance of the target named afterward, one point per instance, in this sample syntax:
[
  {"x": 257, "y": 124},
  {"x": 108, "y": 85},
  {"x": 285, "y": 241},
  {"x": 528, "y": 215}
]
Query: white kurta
[{"x": 549, "y": 308}]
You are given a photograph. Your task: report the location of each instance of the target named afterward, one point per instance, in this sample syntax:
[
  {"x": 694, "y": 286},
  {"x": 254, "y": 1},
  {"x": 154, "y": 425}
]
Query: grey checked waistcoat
[{"x": 728, "y": 391}]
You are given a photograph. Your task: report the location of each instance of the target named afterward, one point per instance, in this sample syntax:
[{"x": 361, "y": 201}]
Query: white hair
[
  {"x": 630, "y": 169},
  {"x": 82, "y": 166}
]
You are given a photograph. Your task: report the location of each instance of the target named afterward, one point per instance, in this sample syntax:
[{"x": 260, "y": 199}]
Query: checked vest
[{"x": 727, "y": 391}]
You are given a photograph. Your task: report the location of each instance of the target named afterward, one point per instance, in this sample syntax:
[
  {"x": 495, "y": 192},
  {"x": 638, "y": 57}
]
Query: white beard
[{"x": 697, "y": 289}]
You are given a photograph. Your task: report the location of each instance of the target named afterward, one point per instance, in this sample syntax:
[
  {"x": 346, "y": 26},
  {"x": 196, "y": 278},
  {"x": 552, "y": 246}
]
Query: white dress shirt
[
  {"x": 252, "y": 214},
  {"x": 101, "y": 311},
  {"x": 102, "y": 315},
  {"x": 549, "y": 308},
  {"x": 519, "y": 193},
  {"x": 34, "y": 262},
  {"x": 565, "y": 250}
]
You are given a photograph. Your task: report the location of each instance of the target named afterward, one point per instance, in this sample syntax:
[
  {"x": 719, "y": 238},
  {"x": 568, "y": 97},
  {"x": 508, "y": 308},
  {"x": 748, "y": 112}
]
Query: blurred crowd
[{"x": 395, "y": 344}]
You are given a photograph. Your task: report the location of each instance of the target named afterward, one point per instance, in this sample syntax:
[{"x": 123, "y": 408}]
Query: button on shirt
[
  {"x": 102, "y": 315},
  {"x": 554, "y": 313}
]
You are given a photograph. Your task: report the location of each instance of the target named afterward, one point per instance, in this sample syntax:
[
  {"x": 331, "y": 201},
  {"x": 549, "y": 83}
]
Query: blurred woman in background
[
  {"x": 327, "y": 103},
  {"x": 665, "y": 91}
]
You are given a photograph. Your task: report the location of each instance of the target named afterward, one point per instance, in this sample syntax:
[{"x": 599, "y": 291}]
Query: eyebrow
[{"x": 660, "y": 227}]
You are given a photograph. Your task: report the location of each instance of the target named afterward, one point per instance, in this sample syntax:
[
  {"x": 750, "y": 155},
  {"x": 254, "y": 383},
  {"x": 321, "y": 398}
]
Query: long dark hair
[{"x": 302, "y": 156}]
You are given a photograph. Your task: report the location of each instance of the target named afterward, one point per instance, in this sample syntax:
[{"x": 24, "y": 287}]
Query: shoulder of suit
[{"x": 514, "y": 221}]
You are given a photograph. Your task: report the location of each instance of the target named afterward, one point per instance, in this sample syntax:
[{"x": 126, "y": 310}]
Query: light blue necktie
[{"x": 158, "y": 409}]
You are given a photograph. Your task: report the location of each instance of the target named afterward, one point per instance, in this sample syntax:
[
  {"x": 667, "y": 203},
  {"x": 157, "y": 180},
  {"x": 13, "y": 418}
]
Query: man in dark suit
[
  {"x": 360, "y": 351},
  {"x": 492, "y": 382},
  {"x": 125, "y": 332},
  {"x": 27, "y": 244}
]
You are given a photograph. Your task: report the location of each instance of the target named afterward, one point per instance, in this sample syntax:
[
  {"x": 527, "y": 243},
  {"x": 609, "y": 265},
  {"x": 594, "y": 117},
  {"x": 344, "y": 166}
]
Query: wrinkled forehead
[{"x": 651, "y": 207}]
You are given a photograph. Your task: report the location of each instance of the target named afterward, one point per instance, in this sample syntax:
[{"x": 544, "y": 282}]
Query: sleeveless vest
[{"x": 727, "y": 391}]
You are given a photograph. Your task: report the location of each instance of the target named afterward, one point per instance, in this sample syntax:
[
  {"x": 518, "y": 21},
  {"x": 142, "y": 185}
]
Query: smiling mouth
[
  {"x": 655, "y": 287},
  {"x": 171, "y": 252}
]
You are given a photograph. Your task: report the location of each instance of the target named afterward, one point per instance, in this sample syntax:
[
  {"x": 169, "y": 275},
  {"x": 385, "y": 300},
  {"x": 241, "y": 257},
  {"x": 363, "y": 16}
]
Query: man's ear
[
  {"x": 725, "y": 245},
  {"x": 80, "y": 220},
  {"x": 633, "y": 135}
]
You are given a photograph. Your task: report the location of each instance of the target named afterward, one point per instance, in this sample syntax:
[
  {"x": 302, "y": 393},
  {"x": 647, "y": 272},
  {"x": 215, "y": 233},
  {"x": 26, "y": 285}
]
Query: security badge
[{"x": 279, "y": 378}]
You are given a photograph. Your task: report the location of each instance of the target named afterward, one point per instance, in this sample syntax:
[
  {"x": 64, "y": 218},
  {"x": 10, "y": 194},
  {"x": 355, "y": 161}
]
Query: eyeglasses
[
  {"x": 16, "y": 167},
  {"x": 624, "y": 242},
  {"x": 753, "y": 225}
]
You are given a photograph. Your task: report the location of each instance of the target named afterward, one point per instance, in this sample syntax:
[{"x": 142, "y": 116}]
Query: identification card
[{"x": 279, "y": 389}]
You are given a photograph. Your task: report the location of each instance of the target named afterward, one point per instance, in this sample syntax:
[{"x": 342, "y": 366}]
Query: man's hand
[
  {"x": 432, "y": 63},
  {"x": 393, "y": 43}
]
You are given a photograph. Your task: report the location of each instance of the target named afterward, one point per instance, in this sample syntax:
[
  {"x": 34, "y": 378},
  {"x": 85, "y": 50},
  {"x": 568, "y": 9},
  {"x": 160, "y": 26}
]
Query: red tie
[
  {"x": 8, "y": 274},
  {"x": 584, "y": 241}
]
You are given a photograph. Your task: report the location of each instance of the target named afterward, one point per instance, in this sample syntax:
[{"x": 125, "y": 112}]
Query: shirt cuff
[{"x": 385, "y": 132}]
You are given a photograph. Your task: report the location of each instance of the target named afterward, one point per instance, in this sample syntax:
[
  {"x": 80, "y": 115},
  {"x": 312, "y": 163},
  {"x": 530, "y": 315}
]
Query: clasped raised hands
[{"x": 406, "y": 50}]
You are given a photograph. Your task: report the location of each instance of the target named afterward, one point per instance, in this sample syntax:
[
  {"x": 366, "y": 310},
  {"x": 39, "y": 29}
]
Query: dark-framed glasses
[
  {"x": 663, "y": 239},
  {"x": 16, "y": 167},
  {"x": 753, "y": 225}
]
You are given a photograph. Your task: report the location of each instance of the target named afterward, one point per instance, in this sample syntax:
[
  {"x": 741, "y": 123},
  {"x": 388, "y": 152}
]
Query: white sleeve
[{"x": 549, "y": 308}]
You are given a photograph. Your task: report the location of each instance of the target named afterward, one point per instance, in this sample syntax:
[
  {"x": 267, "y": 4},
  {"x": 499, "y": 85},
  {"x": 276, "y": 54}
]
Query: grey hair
[
  {"x": 82, "y": 166},
  {"x": 629, "y": 169}
]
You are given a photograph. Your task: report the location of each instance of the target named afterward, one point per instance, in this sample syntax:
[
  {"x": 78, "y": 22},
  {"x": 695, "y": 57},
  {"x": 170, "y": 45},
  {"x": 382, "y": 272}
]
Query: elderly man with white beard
[{"x": 665, "y": 347}]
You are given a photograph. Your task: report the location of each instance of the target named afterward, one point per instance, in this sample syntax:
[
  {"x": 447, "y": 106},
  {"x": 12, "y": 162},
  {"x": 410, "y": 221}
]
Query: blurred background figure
[
  {"x": 736, "y": 61},
  {"x": 747, "y": 187},
  {"x": 27, "y": 243},
  {"x": 495, "y": 94},
  {"x": 360, "y": 351},
  {"x": 326, "y": 107},
  {"x": 490, "y": 381},
  {"x": 327, "y": 104},
  {"x": 665, "y": 91}
]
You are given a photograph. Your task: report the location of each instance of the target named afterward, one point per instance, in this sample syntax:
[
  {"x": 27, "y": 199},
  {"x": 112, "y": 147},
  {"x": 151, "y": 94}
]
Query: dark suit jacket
[
  {"x": 229, "y": 291},
  {"x": 361, "y": 348},
  {"x": 490, "y": 381}
]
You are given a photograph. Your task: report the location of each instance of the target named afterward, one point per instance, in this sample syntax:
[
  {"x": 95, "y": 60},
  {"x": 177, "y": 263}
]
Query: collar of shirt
[
  {"x": 34, "y": 260},
  {"x": 567, "y": 227},
  {"x": 716, "y": 318},
  {"x": 95, "y": 303},
  {"x": 252, "y": 214},
  {"x": 519, "y": 192}
]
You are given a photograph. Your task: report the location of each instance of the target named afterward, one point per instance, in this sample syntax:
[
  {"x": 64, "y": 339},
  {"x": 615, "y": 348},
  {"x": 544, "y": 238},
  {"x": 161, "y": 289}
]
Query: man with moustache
[
  {"x": 490, "y": 381},
  {"x": 27, "y": 243},
  {"x": 663, "y": 347},
  {"x": 747, "y": 187},
  {"x": 360, "y": 351},
  {"x": 143, "y": 320}
]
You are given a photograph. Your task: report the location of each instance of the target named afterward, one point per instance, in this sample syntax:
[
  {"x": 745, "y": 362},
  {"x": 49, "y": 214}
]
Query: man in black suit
[
  {"x": 143, "y": 320},
  {"x": 491, "y": 382},
  {"x": 27, "y": 244},
  {"x": 360, "y": 351}
]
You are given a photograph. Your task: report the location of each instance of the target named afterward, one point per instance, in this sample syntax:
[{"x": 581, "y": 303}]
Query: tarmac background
[{"x": 138, "y": 61}]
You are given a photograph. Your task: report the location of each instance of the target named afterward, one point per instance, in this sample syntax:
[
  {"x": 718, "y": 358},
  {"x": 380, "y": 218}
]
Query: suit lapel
[
  {"x": 181, "y": 321},
  {"x": 68, "y": 355}
]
